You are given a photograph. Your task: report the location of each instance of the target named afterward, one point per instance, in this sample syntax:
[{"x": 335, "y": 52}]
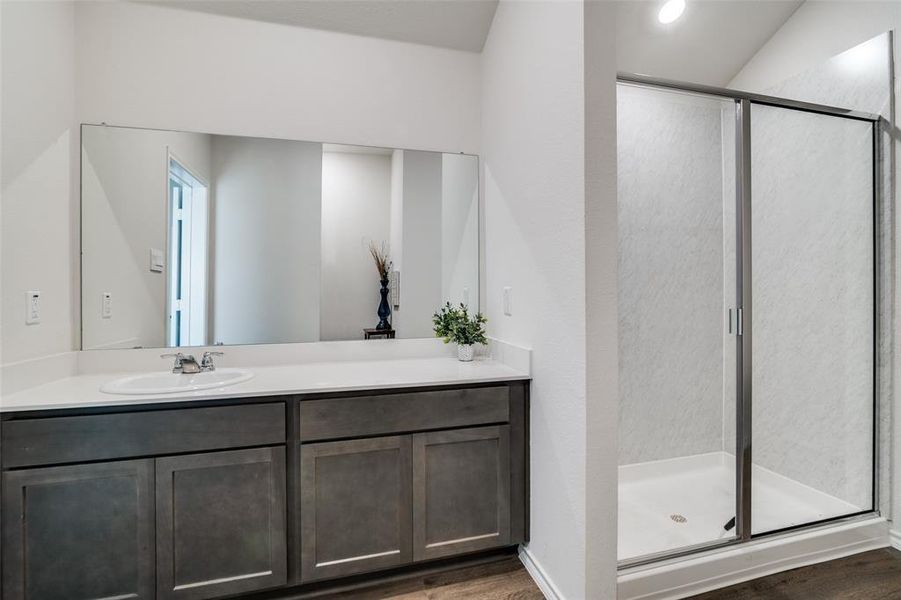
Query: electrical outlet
[
  {"x": 508, "y": 301},
  {"x": 106, "y": 305},
  {"x": 32, "y": 307}
]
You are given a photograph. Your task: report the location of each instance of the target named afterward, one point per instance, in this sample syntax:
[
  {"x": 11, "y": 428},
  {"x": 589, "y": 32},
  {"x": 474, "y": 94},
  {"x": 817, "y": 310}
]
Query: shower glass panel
[
  {"x": 813, "y": 328},
  {"x": 677, "y": 274}
]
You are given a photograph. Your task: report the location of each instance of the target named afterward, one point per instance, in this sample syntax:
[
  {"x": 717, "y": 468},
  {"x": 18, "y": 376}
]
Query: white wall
[
  {"x": 155, "y": 66},
  {"x": 420, "y": 289},
  {"x": 389, "y": 94},
  {"x": 235, "y": 76},
  {"x": 356, "y": 209},
  {"x": 601, "y": 287},
  {"x": 536, "y": 65},
  {"x": 266, "y": 209},
  {"x": 816, "y": 32},
  {"x": 460, "y": 229},
  {"x": 39, "y": 201},
  {"x": 125, "y": 178}
]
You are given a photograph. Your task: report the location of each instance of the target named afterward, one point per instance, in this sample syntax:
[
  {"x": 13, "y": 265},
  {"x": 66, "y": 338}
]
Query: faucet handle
[
  {"x": 179, "y": 360},
  {"x": 207, "y": 360}
]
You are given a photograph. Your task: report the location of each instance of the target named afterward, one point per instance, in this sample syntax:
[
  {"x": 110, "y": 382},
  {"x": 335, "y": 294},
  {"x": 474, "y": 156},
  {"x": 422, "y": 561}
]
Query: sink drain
[{"x": 678, "y": 518}]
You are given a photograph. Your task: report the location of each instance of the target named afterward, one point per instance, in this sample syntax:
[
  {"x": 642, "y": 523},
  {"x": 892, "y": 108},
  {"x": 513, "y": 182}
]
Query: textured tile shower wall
[{"x": 671, "y": 305}]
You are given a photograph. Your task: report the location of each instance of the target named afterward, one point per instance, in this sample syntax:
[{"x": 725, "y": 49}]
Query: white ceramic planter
[{"x": 465, "y": 352}]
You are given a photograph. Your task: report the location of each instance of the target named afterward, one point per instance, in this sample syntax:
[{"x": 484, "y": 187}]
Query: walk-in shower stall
[{"x": 748, "y": 315}]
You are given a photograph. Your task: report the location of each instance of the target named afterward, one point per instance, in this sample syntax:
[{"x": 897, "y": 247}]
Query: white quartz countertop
[{"x": 83, "y": 391}]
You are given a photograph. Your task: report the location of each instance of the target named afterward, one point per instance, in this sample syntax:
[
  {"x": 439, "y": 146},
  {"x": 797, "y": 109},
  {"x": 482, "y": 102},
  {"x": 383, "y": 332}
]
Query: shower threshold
[{"x": 671, "y": 504}]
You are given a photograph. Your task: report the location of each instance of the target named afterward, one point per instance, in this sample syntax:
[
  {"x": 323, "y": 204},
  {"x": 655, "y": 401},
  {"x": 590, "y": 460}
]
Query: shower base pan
[
  {"x": 668, "y": 505},
  {"x": 671, "y": 504}
]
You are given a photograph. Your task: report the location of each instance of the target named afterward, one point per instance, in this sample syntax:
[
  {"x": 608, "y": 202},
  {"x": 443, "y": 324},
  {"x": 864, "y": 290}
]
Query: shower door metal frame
[{"x": 743, "y": 198}]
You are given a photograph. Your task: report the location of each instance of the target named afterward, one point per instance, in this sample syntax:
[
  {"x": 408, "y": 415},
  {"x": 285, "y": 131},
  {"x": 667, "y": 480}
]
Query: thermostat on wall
[{"x": 395, "y": 289}]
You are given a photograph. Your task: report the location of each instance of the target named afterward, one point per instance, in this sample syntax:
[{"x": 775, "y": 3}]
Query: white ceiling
[
  {"x": 709, "y": 44},
  {"x": 458, "y": 24}
]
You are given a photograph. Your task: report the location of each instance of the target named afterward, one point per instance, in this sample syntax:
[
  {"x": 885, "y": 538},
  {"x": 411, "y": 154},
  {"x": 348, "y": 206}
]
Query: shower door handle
[{"x": 738, "y": 321}]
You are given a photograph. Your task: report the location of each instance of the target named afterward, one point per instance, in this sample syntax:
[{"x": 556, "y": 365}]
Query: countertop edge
[{"x": 25, "y": 401}]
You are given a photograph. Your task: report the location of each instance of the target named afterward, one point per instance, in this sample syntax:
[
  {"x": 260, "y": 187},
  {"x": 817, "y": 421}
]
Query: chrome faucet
[
  {"x": 183, "y": 363},
  {"x": 206, "y": 363},
  {"x": 187, "y": 364}
]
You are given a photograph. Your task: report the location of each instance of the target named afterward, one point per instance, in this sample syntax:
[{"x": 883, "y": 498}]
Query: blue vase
[{"x": 384, "y": 311}]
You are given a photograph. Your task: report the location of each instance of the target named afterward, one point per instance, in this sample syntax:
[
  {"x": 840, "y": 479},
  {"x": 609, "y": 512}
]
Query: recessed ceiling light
[{"x": 671, "y": 11}]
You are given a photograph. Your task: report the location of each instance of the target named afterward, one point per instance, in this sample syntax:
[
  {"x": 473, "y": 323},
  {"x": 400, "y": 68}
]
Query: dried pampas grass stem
[{"x": 381, "y": 257}]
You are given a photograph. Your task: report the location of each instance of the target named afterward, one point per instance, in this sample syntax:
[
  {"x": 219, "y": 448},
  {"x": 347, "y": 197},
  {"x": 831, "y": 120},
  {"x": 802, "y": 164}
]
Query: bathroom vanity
[
  {"x": 218, "y": 496},
  {"x": 315, "y": 457}
]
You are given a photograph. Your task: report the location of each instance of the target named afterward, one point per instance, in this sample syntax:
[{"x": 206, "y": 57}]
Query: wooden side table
[{"x": 369, "y": 334}]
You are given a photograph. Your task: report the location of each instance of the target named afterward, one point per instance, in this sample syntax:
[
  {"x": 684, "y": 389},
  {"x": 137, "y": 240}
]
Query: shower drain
[{"x": 678, "y": 518}]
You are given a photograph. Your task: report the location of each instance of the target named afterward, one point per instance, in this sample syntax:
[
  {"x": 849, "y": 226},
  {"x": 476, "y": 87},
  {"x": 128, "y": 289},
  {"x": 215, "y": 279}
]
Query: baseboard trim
[
  {"x": 894, "y": 538},
  {"x": 536, "y": 572},
  {"x": 720, "y": 568}
]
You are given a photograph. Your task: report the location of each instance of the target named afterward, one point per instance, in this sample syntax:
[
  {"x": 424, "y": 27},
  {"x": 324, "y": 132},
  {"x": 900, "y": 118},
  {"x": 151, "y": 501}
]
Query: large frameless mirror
[{"x": 193, "y": 239}]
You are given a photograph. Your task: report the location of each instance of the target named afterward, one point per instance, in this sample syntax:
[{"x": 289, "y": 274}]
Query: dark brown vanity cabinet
[
  {"x": 461, "y": 491},
  {"x": 382, "y": 502},
  {"x": 182, "y": 525},
  {"x": 204, "y": 500},
  {"x": 83, "y": 531},
  {"x": 429, "y": 474},
  {"x": 220, "y": 520},
  {"x": 356, "y": 506}
]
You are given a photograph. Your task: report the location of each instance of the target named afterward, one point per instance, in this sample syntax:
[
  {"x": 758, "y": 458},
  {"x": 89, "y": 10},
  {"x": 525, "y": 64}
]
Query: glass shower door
[
  {"x": 813, "y": 318},
  {"x": 677, "y": 344}
]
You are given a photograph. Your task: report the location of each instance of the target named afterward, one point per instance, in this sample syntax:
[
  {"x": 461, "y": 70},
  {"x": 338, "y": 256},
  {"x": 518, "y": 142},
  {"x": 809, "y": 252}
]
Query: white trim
[
  {"x": 696, "y": 574},
  {"x": 538, "y": 575},
  {"x": 894, "y": 539}
]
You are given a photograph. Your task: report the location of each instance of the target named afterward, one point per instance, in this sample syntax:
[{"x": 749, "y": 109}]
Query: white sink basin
[{"x": 170, "y": 383}]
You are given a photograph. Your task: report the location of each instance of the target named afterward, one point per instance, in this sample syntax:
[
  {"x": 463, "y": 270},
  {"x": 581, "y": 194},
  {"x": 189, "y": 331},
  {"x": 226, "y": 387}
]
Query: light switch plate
[
  {"x": 106, "y": 305},
  {"x": 156, "y": 260},
  {"x": 508, "y": 301},
  {"x": 32, "y": 307}
]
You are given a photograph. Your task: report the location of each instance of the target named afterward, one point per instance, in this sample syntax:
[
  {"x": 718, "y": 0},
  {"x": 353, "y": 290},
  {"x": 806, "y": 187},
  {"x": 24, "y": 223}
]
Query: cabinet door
[
  {"x": 355, "y": 506},
  {"x": 220, "y": 523},
  {"x": 79, "y": 532},
  {"x": 461, "y": 491}
]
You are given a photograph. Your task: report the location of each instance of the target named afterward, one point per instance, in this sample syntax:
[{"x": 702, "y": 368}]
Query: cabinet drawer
[
  {"x": 121, "y": 435},
  {"x": 360, "y": 416}
]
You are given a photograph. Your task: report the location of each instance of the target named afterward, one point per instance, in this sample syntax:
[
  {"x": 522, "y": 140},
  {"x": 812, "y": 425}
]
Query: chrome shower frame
[{"x": 743, "y": 102}]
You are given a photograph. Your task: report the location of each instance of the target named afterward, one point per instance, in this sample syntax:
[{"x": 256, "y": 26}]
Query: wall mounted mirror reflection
[{"x": 193, "y": 239}]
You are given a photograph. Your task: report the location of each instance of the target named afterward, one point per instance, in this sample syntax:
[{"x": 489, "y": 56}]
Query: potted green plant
[{"x": 454, "y": 324}]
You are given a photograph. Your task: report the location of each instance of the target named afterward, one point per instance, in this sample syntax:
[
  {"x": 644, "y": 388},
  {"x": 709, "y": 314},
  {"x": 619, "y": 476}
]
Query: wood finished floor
[
  {"x": 502, "y": 580},
  {"x": 872, "y": 575}
]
